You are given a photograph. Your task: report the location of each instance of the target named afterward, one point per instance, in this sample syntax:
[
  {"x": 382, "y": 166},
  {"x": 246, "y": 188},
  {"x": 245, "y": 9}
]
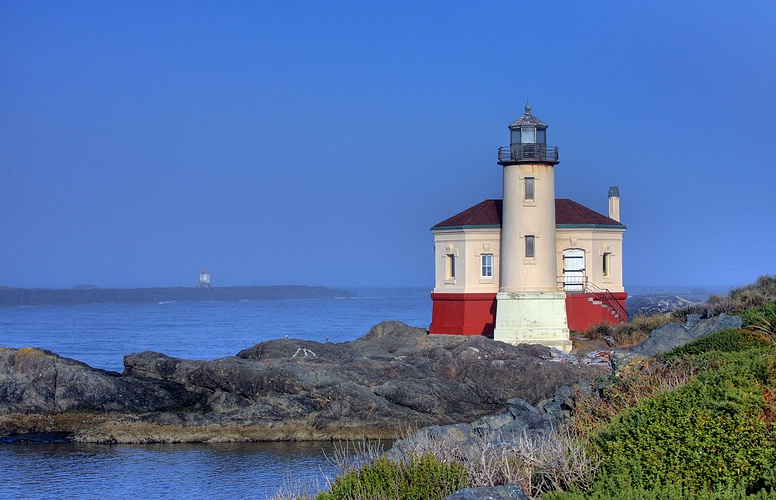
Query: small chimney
[{"x": 614, "y": 203}]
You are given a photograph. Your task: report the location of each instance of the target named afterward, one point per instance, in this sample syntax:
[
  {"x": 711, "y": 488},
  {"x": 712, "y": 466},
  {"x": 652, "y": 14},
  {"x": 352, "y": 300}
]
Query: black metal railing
[
  {"x": 527, "y": 152},
  {"x": 580, "y": 284},
  {"x": 607, "y": 298}
]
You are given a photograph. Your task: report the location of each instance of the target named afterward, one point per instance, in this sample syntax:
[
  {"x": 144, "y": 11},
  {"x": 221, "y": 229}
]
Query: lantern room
[{"x": 528, "y": 141}]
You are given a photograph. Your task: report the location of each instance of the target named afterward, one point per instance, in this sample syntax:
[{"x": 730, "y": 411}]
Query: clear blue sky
[{"x": 317, "y": 142}]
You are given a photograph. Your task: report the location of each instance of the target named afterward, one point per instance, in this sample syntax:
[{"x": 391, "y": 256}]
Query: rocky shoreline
[{"x": 393, "y": 381}]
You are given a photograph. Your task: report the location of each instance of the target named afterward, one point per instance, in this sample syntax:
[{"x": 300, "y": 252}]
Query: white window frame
[{"x": 486, "y": 266}]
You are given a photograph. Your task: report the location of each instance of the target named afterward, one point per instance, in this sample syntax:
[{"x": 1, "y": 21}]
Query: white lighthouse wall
[
  {"x": 466, "y": 246},
  {"x": 522, "y": 218}
]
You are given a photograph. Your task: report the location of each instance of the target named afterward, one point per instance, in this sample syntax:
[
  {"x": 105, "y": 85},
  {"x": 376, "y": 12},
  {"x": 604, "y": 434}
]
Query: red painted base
[
  {"x": 475, "y": 313},
  {"x": 463, "y": 313},
  {"x": 584, "y": 310}
]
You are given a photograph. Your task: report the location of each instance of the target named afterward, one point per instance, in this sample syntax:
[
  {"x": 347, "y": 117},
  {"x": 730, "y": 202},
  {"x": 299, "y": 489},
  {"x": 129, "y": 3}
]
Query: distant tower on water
[{"x": 204, "y": 279}]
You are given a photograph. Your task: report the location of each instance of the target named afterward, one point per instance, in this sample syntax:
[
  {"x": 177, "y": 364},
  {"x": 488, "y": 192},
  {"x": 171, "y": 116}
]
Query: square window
[
  {"x": 530, "y": 188},
  {"x": 530, "y": 247}
]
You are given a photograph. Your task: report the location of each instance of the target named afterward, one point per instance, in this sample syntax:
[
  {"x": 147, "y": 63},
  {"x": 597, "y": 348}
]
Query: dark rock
[
  {"x": 531, "y": 424},
  {"x": 517, "y": 406},
  {"x": 584, "y": 387},
  {"x": 35, "y": 380},
  {"x": 493, "y": 422},
  {"x": 663, "y": 339},
  {"x": 703, "y": 328},
  {"x": 691, "y": 320},
  {"x": 508, "y": 491},
  {"x": 394, "y": 377}
]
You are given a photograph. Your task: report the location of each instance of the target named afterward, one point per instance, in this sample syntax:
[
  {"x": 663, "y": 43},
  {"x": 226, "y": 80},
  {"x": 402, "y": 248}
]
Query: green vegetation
[
  {"x": 698, "y": 422},
  {"x": 713, "y": 434},
  {"x": 422, "y": 478},
  {"x": 728, "y": 340}
]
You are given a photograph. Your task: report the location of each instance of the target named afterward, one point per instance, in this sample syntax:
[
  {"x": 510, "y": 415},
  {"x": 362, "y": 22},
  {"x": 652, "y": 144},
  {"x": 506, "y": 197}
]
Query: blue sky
[{"x": 317, "y": 142}]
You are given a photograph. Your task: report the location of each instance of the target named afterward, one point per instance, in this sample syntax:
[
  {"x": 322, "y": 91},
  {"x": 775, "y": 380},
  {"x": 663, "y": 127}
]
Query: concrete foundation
[{"x": 532, "y": 318}]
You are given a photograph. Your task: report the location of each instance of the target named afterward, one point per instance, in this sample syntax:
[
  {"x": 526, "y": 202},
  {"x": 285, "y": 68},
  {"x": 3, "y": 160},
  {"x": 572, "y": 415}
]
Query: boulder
[
  {"x": 672, "y": 335},
  {"x": 39, "y": 381},
  {"x": 663, "y": 339},
  {"x": 703, "y": 328}
]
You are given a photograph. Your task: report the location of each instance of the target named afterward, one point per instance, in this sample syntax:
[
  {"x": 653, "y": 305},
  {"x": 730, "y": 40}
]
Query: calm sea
[{"x": 101, "y": 334}]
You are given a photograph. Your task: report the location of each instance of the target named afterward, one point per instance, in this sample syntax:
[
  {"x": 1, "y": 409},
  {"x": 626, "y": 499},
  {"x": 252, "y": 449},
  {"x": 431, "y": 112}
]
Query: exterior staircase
[
  {"x": 588, "y": 305},
  {"x": 604, "y": 304}
]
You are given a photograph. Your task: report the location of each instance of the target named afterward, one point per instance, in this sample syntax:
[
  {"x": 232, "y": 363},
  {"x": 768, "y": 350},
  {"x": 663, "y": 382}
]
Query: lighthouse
[
  {"x": 530, "y": 305},
  {"x": 204, "y": 279},
  {"x": 528, "y": 268}
]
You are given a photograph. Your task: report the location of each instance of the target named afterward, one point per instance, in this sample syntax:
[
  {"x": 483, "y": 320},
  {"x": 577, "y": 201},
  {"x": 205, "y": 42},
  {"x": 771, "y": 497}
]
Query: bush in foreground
[
  {"x": 421, "y": 478},
  {"x": 695, "y": 423},
  {"x": 713, "y": 434}
]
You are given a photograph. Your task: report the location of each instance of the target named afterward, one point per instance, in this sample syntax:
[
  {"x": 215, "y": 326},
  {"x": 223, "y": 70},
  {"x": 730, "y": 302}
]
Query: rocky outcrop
[
  {"x": 672, "y": 335},
  {"x": 35, "y": 380},
  {"x": 393, "y": 378}
]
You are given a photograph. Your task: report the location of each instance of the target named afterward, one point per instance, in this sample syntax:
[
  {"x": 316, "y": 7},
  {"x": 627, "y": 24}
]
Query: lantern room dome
[{"x": 528, "y": 119}]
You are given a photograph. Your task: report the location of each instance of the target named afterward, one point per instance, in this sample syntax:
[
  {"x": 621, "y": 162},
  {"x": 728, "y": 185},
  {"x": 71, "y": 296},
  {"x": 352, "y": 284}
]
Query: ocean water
[{"x": 101, "y": 334}]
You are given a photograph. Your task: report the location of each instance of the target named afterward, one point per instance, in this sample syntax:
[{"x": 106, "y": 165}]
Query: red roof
[{"x": 567, "y": 212}]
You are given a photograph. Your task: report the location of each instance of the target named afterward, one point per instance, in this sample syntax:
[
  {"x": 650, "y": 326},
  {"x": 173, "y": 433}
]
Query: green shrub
[
  {"x": 709, "y": 435},
  {"x": 757, "y": 316},
  {"x": 617, "y": 491},
  {"x": 423, "y": 477}
]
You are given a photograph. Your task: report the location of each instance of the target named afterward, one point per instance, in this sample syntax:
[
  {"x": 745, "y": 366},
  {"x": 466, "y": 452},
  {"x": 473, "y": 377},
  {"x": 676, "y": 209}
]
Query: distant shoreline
[{"x": 10, "y": 297}]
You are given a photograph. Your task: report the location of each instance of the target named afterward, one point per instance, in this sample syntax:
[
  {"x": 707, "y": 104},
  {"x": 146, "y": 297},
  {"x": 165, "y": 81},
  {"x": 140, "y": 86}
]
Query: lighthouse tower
[{"x": 530, "y": 304}]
